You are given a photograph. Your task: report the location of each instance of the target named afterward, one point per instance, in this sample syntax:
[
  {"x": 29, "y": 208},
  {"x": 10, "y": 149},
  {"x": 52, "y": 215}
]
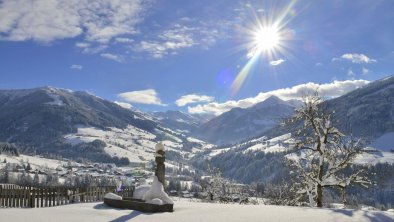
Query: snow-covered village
[{"x": 174, "y": 110}]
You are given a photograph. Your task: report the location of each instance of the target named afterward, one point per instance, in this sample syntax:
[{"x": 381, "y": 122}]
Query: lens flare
[{"x": 240, "y": 79}]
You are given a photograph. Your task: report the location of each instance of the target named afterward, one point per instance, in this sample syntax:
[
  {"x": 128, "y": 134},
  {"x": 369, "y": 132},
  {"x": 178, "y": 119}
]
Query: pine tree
[
  {"x": 28, "y": 167},
  {"x": 36, "y": 179},
  {"x": 6, "y": 176}
]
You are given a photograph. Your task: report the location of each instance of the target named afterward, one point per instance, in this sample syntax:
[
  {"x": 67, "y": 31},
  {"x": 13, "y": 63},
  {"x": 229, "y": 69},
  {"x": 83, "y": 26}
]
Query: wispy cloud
[
  {"x": 78, "y": 67},
  {"x": 50, "y": 20},
  {"x": 277, "y": 62},
  {"x": 82, "y": 45},
  {"x": 180, "y": 36},
  {"x": 167, "y": 42},
  {"x": 101, "y": 23},
  {"x": 329, "y": 90},
  {"x": 116, "y": 58},
  {"x": 355, "y": 58},
  {"x": 148, "y": 96},
  {"x": 364, "y": 70},
  {"x": 124, "y": 40},
  {"x": 350, "y": 73},
  {"x": 193, "y": 98},
  {"x": 123, "y": 104}
]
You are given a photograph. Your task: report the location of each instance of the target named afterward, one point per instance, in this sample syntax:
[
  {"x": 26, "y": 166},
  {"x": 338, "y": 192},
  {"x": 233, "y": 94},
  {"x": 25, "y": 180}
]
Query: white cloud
[
  {"x": 116, "y": 58},
  {"x": 49, "y": 20},
  {"x": 365, "y": 71},
  {"x": 82, "y": 44},
  {"x": 168, "y": 42},
  {"x": 329, "y": 90},
  {"x": 103, "y": 22},
  {"x": 277, "y": 62},
  {"x": 148, "y": 96},
  {"x": 350, "y": 73},
  {"x": 124, "y": 105},
  {"x": 193, "y": 98},
  {"x": 355, "y": 58},
  {"x": 94, "y": 49},
  {"x": 181, "y": 36},
  {"x": 75, "y": 66},
  {"x": 124, "y": 40}
]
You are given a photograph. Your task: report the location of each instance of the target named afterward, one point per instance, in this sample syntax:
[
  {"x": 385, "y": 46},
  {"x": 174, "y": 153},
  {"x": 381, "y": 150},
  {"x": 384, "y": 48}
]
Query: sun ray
[
  {"x": 240, "y": 79},
  {"x": 267, "y": 39}
]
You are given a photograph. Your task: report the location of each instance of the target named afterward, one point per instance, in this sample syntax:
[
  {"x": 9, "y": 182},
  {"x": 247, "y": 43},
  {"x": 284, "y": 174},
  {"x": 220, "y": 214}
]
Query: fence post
[
  {"x": 32, "y": 198},
  {"x": 57, "y": 196},
  {"x": 13, "y": 198},
  {"x": 1, "y": 197},
  {"x": 42, "y": 196},
  {"x": 50, "y": 196},
  {"x": 17, "y": 198}
]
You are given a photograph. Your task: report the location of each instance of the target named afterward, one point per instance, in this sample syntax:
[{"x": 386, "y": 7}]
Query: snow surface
[
  {"x": 158, "y": 147},
  {"x": 140, "y": 191},
  {"x": 112, "y": 196},
  {"x": 193, "y": 212},
  {"x": 36, "y": 162},
  {"x": 56, "y": 100},
  {"x": 156, "y": 191},
  {"x": 134, "y": 143},
  {"x": 156, "y": 201},
  {"x": 385, "y": 142},
  {"x": 273, "y": 145},
  {"x": 374, "y": 158},
  {"x": 215, "y": 152}
]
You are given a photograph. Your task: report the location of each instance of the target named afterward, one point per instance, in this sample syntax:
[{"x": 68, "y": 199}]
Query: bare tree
[
  {"x": 214, "y": 185},
  {"x": 322, "y": 152}
]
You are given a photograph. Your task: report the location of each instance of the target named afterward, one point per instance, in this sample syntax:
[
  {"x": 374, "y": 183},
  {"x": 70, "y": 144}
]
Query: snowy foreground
[{"x": 193, "y": 212}]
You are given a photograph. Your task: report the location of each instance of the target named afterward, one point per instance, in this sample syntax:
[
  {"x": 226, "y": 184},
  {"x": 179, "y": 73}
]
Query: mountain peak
[
  {"x": 273, "y": 99},
  {"x": 270, "y": 101}
]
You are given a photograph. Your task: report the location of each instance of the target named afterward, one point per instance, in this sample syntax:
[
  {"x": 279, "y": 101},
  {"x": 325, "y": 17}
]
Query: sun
[{"x": 266, "y": 39}]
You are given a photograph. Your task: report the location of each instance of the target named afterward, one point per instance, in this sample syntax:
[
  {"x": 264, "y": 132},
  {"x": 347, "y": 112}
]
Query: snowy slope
[
  {"x": 284, "y": 143},
  {"x": 384, "y": 142},
  {"x": 134, "y": 143},
  {"x": 375, "y": 158},
  {"x": 239, "y": 124},
  {"x": 36, "y": 162},
  {"x": 195, "y": 212}
]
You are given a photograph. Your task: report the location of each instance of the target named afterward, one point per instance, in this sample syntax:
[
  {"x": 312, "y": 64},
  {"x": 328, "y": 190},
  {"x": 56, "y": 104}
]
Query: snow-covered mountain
[
  {"x": 368, "y": 111},
  {"x": 240, "y": 124},
  {"x": 55, "y": 121},
  {"x": 178, "y": 120}
]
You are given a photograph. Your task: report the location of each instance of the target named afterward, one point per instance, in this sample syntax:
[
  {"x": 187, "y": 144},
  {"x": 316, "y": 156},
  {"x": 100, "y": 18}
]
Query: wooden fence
[{"x": 18, "y": 196}]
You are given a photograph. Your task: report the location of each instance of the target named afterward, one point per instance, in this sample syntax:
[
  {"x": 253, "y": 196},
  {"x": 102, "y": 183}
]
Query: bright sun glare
[{"x": 266, "y": 38}]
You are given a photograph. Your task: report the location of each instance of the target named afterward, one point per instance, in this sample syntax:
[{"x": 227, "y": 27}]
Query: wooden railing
[{"x": 19, "y": 196}]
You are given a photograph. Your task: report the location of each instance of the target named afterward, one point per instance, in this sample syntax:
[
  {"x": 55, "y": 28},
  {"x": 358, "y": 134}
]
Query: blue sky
[{"x": 186, "y": 55}]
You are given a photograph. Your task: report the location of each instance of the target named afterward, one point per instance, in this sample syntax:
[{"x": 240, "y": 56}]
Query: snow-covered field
[
  {"x": 135, "y": 144},
  {"x": 381, "y": 148},
  {"x": 375, "y": 158},
  {"x": 36, "y": 162},
  {"x": 194, "y": 212}
]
